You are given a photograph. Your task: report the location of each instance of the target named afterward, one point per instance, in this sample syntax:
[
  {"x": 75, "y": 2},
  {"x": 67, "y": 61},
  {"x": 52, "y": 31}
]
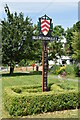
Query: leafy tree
[
  {"x": 37, "y": 46},
  {"x": 76, "y": 42},
  {"x": 69, "y": 36},
  {"x": 55, "y": 48},
  {"x": 58, "y": 31},
  {"x": 0, "y": 46},
  {"x": 16, "y": 38},
  {"x": 76, "y": 45}
]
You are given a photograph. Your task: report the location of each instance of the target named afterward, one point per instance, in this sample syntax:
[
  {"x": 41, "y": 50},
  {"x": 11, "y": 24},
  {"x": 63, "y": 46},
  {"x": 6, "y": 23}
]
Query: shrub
[
  {"x": 33, "y": 103},
  {"x": 17, "y": 90},
  {"x": 76, "y": 69},
  {"x": 55, "y": 69},
  {"x": 69, "y": 69},
  {"x": 55, "y": 88},
  {"x": 61, "y": 70}
]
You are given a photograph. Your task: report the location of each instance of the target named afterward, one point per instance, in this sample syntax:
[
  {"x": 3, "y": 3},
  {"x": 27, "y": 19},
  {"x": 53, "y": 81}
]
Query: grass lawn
[
  {"x": 19, "y": 79},
  {"x": 57, "y": 114},
  {"x": 72, "y": 76}
]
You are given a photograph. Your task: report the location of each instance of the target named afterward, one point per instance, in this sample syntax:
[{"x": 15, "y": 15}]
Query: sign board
[
  {"x": 45, "y": 26},
  {"x": 44, "y": 38}
]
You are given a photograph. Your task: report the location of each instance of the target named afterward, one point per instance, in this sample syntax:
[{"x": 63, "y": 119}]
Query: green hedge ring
[{"x": 27, "y": 100}]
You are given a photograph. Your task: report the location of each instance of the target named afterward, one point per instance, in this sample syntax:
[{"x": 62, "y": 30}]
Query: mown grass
[
  {"x": 35, "y": 78},
  {"x": 21, "y": 79}
]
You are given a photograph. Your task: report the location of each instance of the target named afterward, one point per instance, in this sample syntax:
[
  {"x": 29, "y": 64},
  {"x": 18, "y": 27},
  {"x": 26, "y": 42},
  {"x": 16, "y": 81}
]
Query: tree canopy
[
  {"x": 55, "y": 48},
  {"x": 76, "y": 42},
  {"x": 16, "y": 38},
  {"x": 69, "y": 39}
]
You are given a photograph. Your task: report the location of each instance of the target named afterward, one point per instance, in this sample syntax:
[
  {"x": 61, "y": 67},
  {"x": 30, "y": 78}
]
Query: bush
[
  {"x": 69, "y": 69},
  {"x": 61, "y": 70},
  {"x": 76, "y": 69},
  {"x": 33, "y": 103},
  {"x": 55, "y": 69},
  {"x": 55, "y": 88},
  {"x": 17, "y": 90}
]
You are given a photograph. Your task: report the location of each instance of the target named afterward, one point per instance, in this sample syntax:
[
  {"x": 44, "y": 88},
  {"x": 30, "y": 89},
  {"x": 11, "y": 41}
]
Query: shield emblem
[{"x": 45, "y": 26}]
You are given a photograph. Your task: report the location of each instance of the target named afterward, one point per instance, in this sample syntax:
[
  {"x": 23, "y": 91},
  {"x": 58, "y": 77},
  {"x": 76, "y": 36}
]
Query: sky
[{"x": 62, "y": 12}]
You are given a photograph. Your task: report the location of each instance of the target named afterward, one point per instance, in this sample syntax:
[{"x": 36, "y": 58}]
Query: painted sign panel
[
  {"x": 44, "y": 38},
  {"x": 45, "y": 26}
]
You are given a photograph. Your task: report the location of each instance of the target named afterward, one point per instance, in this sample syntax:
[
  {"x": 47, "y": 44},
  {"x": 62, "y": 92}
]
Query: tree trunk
[{"x": 11, "y": 70}]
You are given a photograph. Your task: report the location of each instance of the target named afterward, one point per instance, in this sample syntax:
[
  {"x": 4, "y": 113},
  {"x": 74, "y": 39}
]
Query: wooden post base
[{"x": 44, "y": 66}]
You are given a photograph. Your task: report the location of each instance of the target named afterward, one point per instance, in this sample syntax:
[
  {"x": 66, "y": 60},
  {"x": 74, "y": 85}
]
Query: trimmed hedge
[
  {"x": 27, "y": 89},
  {"x": 25, "y": 103},
  {"x": 56, "y": 88}
]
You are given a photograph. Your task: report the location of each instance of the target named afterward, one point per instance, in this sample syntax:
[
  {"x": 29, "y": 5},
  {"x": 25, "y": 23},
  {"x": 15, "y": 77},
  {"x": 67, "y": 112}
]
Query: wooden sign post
[
  {"x": 44, "y": 65},
  {"x": 45, "y": 28}
]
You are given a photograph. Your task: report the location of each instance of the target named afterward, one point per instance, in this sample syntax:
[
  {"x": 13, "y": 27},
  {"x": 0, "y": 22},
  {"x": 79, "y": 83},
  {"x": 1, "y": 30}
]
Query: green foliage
[
  {"x": 0, "y": 46},
  {"x": 26, "y": 62},
  {"x": 30, "y": 62},
  {"x": 76, "y": 45},
  {"x": 16, "y": 38},
  {"x": 55, "y": 88},
  {"x": 55, "y": 69},
  {"x": 73, "y": 41},
  {"x": 61, "y": 70},
  {"x": 37, "y": 102},
  {"x": 55, "y": 46},
  {"x": 22, "y": 63},
  {"x": 78, "y": 26},
  {"x": 37, "y": 45},
  {"x": 68, "y": 86},
  {"x": 69, "y": 39},
  {"x": 69, "y": 34},
  {"x": 69, "y": 69},
  {"x": 58, "y": 31},
  {"x": 17, "y": 90},
  {"x": 76, "y": 69},
  {"x": 30, "y": 89},
  {"x": 37, "y": 53}
]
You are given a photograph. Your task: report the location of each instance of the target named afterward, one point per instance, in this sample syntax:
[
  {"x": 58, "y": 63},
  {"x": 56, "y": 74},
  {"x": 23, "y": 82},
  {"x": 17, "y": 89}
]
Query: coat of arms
[{"x": 45, "y": 25}]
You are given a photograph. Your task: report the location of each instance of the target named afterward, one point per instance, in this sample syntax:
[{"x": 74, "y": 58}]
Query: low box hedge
[{"x": 27, "y": 103}]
